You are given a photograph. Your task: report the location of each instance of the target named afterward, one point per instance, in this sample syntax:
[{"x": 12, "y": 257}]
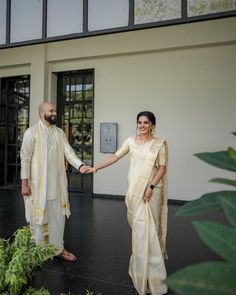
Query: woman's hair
[{"x": 151, "y": 117}]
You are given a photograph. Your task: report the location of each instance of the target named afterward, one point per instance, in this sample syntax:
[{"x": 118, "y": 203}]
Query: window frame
[{"x": 131, "y": 25}]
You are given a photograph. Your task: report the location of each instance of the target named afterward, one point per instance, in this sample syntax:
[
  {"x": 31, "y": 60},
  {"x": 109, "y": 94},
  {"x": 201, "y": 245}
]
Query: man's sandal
[{"x": 67, "y": 256}]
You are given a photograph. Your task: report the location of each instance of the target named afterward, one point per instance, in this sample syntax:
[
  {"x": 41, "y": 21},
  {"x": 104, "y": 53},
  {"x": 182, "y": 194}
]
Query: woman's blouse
[{"x": 130, "y": 146}]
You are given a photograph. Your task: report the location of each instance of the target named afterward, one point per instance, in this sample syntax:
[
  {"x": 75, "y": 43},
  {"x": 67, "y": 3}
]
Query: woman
[{"x": 146, "y": 201}]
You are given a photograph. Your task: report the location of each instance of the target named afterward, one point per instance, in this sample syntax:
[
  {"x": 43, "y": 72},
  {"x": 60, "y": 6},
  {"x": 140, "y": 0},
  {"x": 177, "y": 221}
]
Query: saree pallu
[{"x": 148, "y": 220}]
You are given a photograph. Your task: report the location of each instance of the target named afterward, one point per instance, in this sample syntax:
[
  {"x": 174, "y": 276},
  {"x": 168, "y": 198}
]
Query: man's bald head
[
  {"x": 44, "y": 107},
  {"x": 47, "y": 113}
]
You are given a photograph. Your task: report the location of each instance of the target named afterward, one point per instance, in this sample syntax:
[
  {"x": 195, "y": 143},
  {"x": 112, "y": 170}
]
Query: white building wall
[{"x": 185, "y": 74}]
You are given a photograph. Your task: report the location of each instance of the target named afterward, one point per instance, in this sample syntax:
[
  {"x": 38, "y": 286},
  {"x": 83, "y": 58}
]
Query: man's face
[{"x": 50, "y": 115}]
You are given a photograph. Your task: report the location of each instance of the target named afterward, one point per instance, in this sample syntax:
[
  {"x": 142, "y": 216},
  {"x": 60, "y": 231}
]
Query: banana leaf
[
  {"x": 219, "y": 238},
  {"x": 232, "y": 154},
  {"x": 208, "y": 278},
  {"x": 207, "y": 203},
  {"x": 229, "y": 207},
  {"x": 218, "y": 159},
  {"x": 224, "y": 181}
]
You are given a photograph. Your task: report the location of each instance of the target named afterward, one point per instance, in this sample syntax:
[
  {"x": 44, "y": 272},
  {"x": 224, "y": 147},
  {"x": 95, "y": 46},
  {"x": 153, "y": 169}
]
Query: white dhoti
[{"x": 52, "y": 231}]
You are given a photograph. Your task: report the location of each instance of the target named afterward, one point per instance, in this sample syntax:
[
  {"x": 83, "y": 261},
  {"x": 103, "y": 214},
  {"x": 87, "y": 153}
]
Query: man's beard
[{"x": 51, "y": 119}]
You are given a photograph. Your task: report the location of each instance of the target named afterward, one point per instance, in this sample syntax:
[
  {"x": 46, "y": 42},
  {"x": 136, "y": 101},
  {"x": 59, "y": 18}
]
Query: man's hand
[
  {"x": 25, "y": 188},
  {"x": 84, "y": 169}
]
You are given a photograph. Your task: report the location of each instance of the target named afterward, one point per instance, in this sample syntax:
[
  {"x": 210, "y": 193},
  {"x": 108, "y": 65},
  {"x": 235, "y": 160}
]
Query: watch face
[{"x": 152, "y": 186}]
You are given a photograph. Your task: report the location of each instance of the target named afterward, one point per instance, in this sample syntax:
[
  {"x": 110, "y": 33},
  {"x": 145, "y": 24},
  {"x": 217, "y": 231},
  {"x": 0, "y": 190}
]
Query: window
[
  {"x": 26, "y": 20},
  {"x": 3, "y": 19},
  {"x": 14, "y": 120},
  {"x": 64, "y": 17},
  {"x": 106, "y": 14},
  {"x": 37, "y": 21},
  {"x": 156, "y": 10},
  {"x": 75, "y": 116},
  {"x": 203, "y": 7}
]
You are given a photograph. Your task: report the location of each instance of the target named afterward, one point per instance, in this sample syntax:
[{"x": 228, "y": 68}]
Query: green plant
[
  {"x": 32, "y": 291},
  {"x": 87, "y": 293},
  {"x": 217, "y": 277},
  {"x": 3, "y": 262},
  {"x": 19, "y": 259}
]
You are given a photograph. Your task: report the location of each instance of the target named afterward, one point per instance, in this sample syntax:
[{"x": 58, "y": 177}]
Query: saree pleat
[{"x": 146, "y": 268}]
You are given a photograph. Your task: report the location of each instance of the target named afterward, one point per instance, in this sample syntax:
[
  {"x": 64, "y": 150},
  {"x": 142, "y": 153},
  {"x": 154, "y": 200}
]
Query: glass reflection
[
  {"x": 14, "y": 110},
  {"x": 77, "y": 120},
  {"x": 147, "y": 11}
]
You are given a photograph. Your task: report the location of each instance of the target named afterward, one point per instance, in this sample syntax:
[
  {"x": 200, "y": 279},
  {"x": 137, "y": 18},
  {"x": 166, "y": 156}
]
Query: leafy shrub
[
  {"x": 19, "y": 259},
  {"x": 32, "y": 291},
  {"x": 217, "y": 277}
]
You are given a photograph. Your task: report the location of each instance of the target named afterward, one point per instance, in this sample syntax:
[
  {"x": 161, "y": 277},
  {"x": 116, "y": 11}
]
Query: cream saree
[{"x": 148, "y": 220}]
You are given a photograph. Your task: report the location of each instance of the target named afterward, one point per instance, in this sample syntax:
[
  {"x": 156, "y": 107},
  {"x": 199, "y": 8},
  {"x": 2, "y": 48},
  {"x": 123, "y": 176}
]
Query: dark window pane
[
  {"x": 12, "y": 155},
  {"x": 77, "y": 120},
  {"x": 14, "y": 109}
]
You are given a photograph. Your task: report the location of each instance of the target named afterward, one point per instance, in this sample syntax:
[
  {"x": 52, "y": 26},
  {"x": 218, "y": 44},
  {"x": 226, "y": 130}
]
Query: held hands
[
  {"x": 92, "y": 170},
  {"x": 87, "y": 169},
  {"x": 84, "y": 169}
]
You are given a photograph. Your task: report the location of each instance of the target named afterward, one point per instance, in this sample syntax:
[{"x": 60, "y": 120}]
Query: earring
[{"x": 152, "y": 130}]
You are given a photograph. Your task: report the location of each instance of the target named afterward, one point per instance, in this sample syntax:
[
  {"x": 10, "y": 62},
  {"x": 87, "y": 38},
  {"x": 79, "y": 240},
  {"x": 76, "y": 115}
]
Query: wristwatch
[{"x": 151, "y": 186}]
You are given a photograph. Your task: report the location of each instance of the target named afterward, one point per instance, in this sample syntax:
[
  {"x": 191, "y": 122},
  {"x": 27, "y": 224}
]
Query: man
[{"x": 43, "y": 179}]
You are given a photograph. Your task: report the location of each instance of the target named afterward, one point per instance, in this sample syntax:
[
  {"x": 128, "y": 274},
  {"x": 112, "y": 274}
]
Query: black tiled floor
[{"x": 98, "y": 233}]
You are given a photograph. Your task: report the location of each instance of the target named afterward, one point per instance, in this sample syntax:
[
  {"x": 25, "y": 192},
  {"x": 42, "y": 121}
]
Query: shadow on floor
[{"x": 98, "y": 233}]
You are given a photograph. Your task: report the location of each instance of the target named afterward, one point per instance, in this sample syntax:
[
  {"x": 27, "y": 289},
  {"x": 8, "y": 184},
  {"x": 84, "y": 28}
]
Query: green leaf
[
  {"x": 229, "y": 207},
  {"x": 224, "y": 181},
  {"x": 218, "y": 159},
  {"x": 220, "y": 238},
  {"x": 209, "y": 278},
  {"x": 207, "y": 203},
  {"x": 232, "y": 153}
]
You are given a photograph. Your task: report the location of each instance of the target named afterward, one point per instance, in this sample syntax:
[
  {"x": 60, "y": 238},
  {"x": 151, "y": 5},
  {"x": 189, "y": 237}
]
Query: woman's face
[{"x": 144, "y": 125}]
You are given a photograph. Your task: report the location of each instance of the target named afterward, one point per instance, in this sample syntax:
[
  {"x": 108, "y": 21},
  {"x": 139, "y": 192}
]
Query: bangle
[
  {"x": 94, "y": 170},
  {"x": 151, "y": 186}
]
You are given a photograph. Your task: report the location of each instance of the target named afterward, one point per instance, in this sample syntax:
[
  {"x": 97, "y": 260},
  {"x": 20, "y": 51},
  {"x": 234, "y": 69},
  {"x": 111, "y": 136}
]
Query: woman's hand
[
  {"x": 147, "y": 194},
  {"x": 91, "y": 170}
]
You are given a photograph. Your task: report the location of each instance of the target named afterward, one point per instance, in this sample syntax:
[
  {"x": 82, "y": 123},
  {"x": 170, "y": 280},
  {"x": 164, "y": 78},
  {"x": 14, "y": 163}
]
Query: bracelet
[{"x": 94, "y": 170}]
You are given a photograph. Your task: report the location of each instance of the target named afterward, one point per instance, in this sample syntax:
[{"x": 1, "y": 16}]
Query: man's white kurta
[{"x": 42, "y": 163}]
